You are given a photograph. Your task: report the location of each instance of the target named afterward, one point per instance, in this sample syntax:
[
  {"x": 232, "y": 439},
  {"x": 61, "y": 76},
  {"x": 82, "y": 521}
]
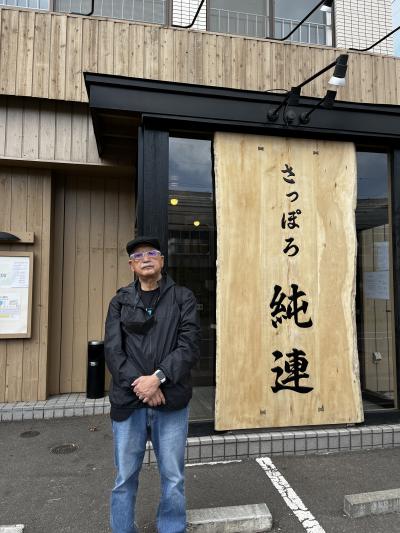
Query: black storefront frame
[{"x": 164, "y": 107}]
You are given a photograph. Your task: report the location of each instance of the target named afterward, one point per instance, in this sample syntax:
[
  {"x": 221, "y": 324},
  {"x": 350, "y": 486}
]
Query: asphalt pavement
[{"x": 69, "y": 492}]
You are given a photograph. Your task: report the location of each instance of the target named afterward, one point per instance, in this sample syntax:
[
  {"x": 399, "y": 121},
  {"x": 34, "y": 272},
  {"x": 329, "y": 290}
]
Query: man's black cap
[{"x": 152, "y": 241}]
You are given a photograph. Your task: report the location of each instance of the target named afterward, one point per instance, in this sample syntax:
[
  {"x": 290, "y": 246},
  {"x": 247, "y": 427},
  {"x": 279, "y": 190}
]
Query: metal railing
[
  {"x": 30, "y": 4},
  {"x": 182, "y": 12},
  {"x": 153, "y": 11},
  {"x": 256, "y": 25},
  {"x": 309, "y": 32},
  {"x": 239, "y": 23}
]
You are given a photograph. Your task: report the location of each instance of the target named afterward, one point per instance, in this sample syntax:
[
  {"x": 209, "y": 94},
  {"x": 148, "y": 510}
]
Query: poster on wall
[
  {"x": 286, "y": 241},
  {"x": 16, "y": 274}
]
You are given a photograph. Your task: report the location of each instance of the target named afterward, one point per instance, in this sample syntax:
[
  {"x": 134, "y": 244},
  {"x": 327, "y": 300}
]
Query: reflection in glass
[
  {"x": 191, "y": 251},
  {"x": 374, "y": 302}
]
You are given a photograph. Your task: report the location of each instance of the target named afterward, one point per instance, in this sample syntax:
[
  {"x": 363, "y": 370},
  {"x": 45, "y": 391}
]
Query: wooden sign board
[
  {"x": 286, "y": 334},
  {"x": 16, "y": 274}
]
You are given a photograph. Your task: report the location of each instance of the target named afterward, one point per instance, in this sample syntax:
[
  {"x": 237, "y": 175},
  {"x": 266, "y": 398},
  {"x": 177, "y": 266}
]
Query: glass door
[
  {"x": 374, "y": 300},
  {"x": 191, "y": 251}
]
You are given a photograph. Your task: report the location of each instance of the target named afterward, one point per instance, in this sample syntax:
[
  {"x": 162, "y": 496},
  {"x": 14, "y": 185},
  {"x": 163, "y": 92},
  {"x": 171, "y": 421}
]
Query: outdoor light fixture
[
  {"x": 326, "y": 102},
  {"x": 292, "y": 98},
  {"x": 174, "y": 201},
  {"x": 10, "y": 237},
  {"x": 339, "y": 74},
  {"x": 196, "y": 223},
  {"x": 327, "y": 6}
]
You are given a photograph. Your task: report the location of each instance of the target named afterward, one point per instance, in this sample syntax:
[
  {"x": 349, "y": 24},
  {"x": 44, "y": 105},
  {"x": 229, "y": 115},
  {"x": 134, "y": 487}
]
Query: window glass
[
  {"x": 242, "y": 18},
  {"x": 32, "y": 4},
  {"x": 294, "y": 10},
  {"x": 191, "y": 251},
  {"x": 374, "y": 300}
]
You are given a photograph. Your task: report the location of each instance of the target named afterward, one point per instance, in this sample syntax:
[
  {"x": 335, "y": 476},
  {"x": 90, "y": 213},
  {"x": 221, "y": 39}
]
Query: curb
[
  {"x": 244, "y": 518},
  {"x": 371, "y": 503}
]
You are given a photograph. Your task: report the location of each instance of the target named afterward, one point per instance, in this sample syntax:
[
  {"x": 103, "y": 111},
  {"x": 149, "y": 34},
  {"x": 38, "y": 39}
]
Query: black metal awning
[{"x": 120, "y": 104}]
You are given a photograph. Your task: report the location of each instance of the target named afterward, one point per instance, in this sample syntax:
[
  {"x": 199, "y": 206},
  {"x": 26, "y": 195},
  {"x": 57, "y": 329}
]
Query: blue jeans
[{"x": 168, "y": 433}]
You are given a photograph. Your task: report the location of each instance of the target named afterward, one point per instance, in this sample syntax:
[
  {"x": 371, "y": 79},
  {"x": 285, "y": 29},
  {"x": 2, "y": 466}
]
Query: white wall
[{"x": 360, "y": 23}]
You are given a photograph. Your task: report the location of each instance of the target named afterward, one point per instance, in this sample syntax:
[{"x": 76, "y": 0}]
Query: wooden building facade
[{"x": 82, "y": 202}]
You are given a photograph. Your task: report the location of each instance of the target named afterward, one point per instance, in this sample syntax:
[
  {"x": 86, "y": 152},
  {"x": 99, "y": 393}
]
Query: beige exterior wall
[
  {"x": 45, "y": 126},
  {"x": 93, "y": 219},
  {"x": 45, "y": 131},
  {"x": 44, "y": 55},
  {"x": 25, "y": 206}
]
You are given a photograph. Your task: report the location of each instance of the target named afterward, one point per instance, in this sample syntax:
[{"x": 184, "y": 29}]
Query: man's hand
[
  {"x": 145, "y": 387},
  {"x": 156, "y": 399}
]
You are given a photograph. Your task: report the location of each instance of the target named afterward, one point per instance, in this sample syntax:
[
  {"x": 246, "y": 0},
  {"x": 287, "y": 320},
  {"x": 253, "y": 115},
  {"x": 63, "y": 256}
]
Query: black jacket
[{"x": 171, "y": 343}]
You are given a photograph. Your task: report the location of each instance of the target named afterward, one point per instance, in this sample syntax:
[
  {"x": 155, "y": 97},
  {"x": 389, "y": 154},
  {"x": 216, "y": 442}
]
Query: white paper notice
[
  {"x": 10, "y": 306},
  {"x": 381, "y": 250},
  {"x": 14, "y": 294},
  {"x": 376, "y": 285}
]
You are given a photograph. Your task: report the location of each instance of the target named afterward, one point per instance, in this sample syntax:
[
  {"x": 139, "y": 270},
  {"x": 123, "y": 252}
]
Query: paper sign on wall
[{"x": 15, "y": 294}]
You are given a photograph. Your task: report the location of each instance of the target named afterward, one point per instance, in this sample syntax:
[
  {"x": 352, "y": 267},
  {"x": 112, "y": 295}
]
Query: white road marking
[
  {"x": 212, "y": 463},
  {"x": 291, "y": 499}
]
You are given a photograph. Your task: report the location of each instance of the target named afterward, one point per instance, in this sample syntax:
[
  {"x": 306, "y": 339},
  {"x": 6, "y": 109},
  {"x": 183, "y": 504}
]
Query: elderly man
[{"x": 151, "y": 343}]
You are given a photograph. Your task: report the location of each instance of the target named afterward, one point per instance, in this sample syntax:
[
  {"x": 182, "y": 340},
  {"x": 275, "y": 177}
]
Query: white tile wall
[
  {"x": 360, "y": 23},
  {"x": 184, "y": 12}
]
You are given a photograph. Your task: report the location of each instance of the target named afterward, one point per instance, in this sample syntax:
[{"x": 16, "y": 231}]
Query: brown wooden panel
[
  {"x": 105, "y": 52},
  {"x": 41, "y": 60},
  {"x": 90, "y": 43},
  {"x": 45, "y": 284},
  {"x": 57, "y": 258},
  {"x": 251, "y": 198},
  {"x": 62, "y": 47},
  {"x": 9, "y": 51},
  {"x": 30, "y": 130},
  {"x": 68, "y": 295},
  {"x": 13, "y": 136},
  {"x": 96, "y": 258},
  {"x": 81, "y": 280},
  {"x": 57, "y": 79},
  {"x": 48, "y": 121},
  {"x": 25, "y": 196},
  {"x": 136, "y": 51},
  {"x": 34, "y": 221},
  {"x": 15, "y": 348},
  {"x": 26, "y": 33},
  {"x": 5, "y": 225},
  {"x": 94, "y": 226},
  {"x": 73, "y": 90},
  {"x": 121, "y": 51}
]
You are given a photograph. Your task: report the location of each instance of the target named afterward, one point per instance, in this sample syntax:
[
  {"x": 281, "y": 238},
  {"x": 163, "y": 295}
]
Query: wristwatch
[{"x": 161, "y": 376}]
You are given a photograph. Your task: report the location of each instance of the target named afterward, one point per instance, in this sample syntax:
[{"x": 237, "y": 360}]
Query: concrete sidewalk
[{"x": 69, "y": 492}]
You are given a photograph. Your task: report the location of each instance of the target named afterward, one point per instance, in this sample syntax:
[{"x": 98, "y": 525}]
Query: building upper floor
[
  {"x": 338, "y": 23},
  {"x": 44, "y": 54}
]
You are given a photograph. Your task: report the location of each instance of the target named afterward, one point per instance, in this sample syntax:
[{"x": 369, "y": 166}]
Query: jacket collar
[{"x": 130, "y": 293}]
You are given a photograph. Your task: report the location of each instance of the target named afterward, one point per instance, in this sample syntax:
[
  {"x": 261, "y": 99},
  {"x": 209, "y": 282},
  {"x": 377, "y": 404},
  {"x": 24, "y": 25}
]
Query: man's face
[{"x": 147, "y": 267}]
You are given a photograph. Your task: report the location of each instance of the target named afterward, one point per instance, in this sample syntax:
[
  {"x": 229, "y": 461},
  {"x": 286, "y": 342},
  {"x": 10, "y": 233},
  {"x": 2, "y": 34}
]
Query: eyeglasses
[{"x": 139, "y": 256}]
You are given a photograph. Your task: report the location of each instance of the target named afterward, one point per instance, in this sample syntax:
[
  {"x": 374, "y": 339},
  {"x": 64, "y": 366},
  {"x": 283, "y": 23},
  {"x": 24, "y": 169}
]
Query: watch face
[{"x": 161, "y": 376}]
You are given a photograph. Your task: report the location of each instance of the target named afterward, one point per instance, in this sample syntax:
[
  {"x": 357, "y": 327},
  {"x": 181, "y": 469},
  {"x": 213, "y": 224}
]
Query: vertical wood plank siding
[
  {"x": 93, "y": 220},
  {"x": 47, "y": 130},
  {"x": 45, "y": 54},
  {"x": 26, "y": 204}
]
